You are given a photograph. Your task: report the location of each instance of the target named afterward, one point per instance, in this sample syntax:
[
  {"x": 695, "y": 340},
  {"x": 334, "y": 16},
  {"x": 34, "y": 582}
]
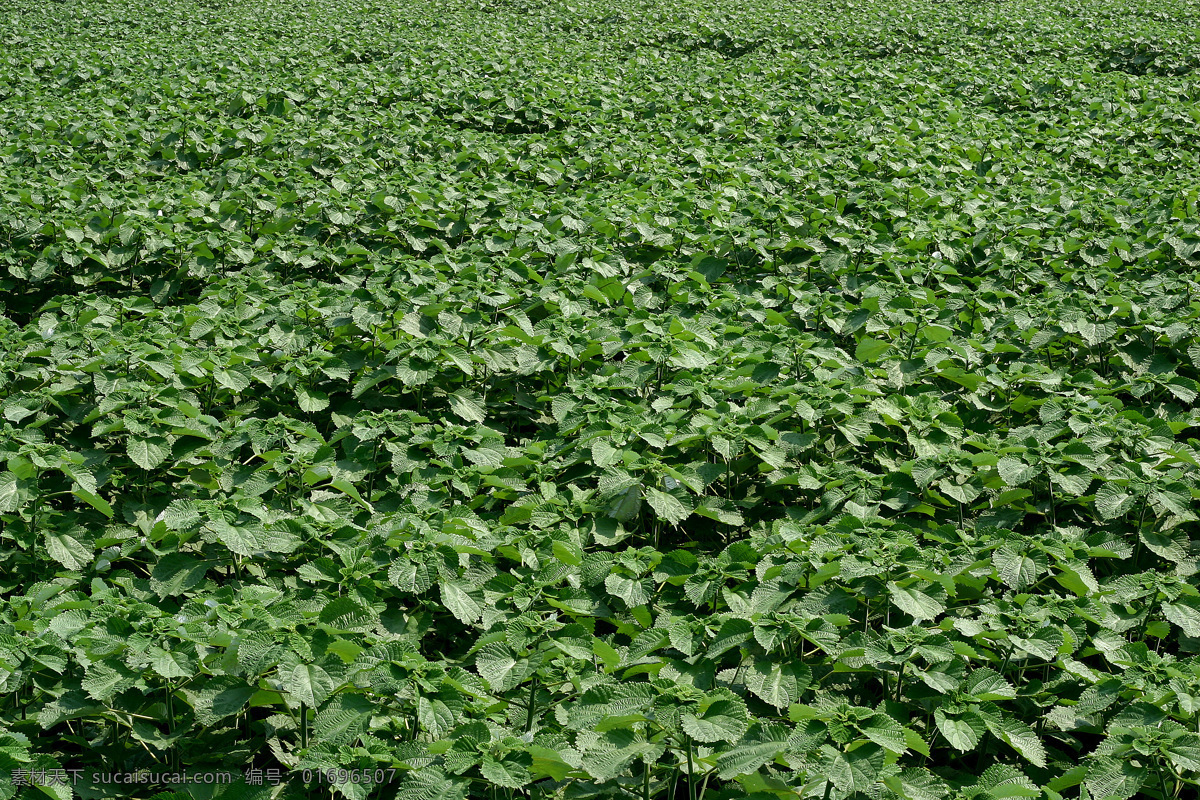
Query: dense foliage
[{"x": 571, "y": 398}]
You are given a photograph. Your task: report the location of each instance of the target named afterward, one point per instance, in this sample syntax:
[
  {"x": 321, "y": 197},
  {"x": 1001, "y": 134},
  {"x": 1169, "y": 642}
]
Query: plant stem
[
  {"x": 303, "y": 725},
  {"x": 690, "y": 778},
  {"x": 530, "y": 705}
]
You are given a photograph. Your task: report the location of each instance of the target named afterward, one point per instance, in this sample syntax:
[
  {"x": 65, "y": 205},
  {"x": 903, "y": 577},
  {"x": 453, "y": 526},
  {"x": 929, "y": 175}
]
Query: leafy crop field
[{"x": 539, "y": 399}]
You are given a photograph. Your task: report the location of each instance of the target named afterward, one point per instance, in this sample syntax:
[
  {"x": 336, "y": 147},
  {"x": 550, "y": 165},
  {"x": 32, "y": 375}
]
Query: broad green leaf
[
  {"x": 14, "y": 492},
  {"x": 627, "y": 504},
  {"x": 457, "y": 599},
  {"x": 1174, "y": 544},
  {"x": 495, "y": 664},
  {"x": 608, "y": 655},
  {"x": 985, "y": 684},
  {"x": 666, "y": 506},
  {"x": 1023, "y": 739},
  {"x": 568, "y": 553},
  {"x": 917, "y": 783},
  {"x": 510, "y": 771},
  {"x": 1112, "y": 501},
  {"x": 308, "y": 684},
  {"x": 311, "y": 400},
  {"x": 634, "y": 591},
  {"x": 105, "y": 680},
  {"x": 885, "y": 732},
  {"x": 241, "y": 540},
  {"x": 721, "y": 720},
  {"x": 94, "y": 500},
  {"x": 732, "y": 633},
  {"x": 605, "y": 755},
  {"x": 871, "y": 350},
  {"x": 148, "y": 452},
  {"x": 467, "y": 406},
  {"x": 547, "y": 762},
  {"x": 1186, "y": 616},
  {"x": 778, "y": 684},
  {"x": 343, "y": 719},
  {"x": 67, "y": 550},
  {"x": 914, "y": 602},
  {"x": 762, "y": 745},
  {"x": 963, "y": 731},
  {"x": 1115, "y": 778},
  {"x": 1015, "y": 570},
  {"x": 171, "y": 663},
  {"x": 176, "y": 573},
  {"x": 219, "y": 697}
]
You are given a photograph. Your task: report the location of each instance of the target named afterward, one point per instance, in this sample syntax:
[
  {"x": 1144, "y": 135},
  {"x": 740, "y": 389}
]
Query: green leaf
[
  {"x": 547, "y": 763},
  {"x": 1077, "y": 577},
  {"x": 870, "y": 350},
  {"x": 962, "y": 731},
  {"x": 46, "y": 765},
  {"x": 311, "y": 401},
  {"x": 667, "y": 507},
  {"x": 94, "y": 500},
  {"x": 605, "y": 755},
  {"x": 1186, "y": 616},
  {"x": 627, "y": 504},
  {"x": 1015, "y": 570},
  {"x": 309, "y": 684},
  {"x": 917, "y": 783},
  {"x": 608, "y": 655},
  {"x": 14, "y": 493},
  {"x": 149, "y": 452},
  {"x": 347, "y": 488},
  {"x": 1112, "y": 501},
  {"x": 511, "y": 771},
  {"x": 67, "y": 550},
  {"x": 986, "y": 684},
  {"x": 1114, "y": 778},
  {"x": 778, "y": 684},
  {"x": 1183, "y": 751},
  {"x": 221, "y": 696},
  {"x": 343, "y": 719},
  {"x": 1023, "y": 739},
  {"x": 467, "y": 406},
  {"x": 1014, "y": 471},
  {"x": 176, "y": 573},
  {"x": 240, "y": 540},
  {"x": 720, "y": 720},
  {"x": 103, "y": 681},
  {"x": 885, "y": 732},
  {"x": 1173, "y": 544},
  {"x": 763, "y": 744},
  {"x": 457, "y": 599},
  {"x": 568, "y": 553},
  {"x": 495, "y": 664},
  {"x": 732, "y": 633},
  {"x": 171, "y": 663},
  {"x": 634, "y": 591},
  {"x": 914, "y": 602},
  {"x": 232, "y": 379}
]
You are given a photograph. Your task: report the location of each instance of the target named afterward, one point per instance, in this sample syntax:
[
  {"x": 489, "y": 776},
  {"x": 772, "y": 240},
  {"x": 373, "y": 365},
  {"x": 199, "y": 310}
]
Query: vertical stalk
[
  {"x": 303, "y": 724},
  {"x": 529, "y": 706},
  {"x": 1053, "y": 511},
  {"x": 1137, "y": 546},
  {"x": 416, "y": 723},
  {"x": 691, "y": 781},
  {"x": 173, "y": 755}
]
